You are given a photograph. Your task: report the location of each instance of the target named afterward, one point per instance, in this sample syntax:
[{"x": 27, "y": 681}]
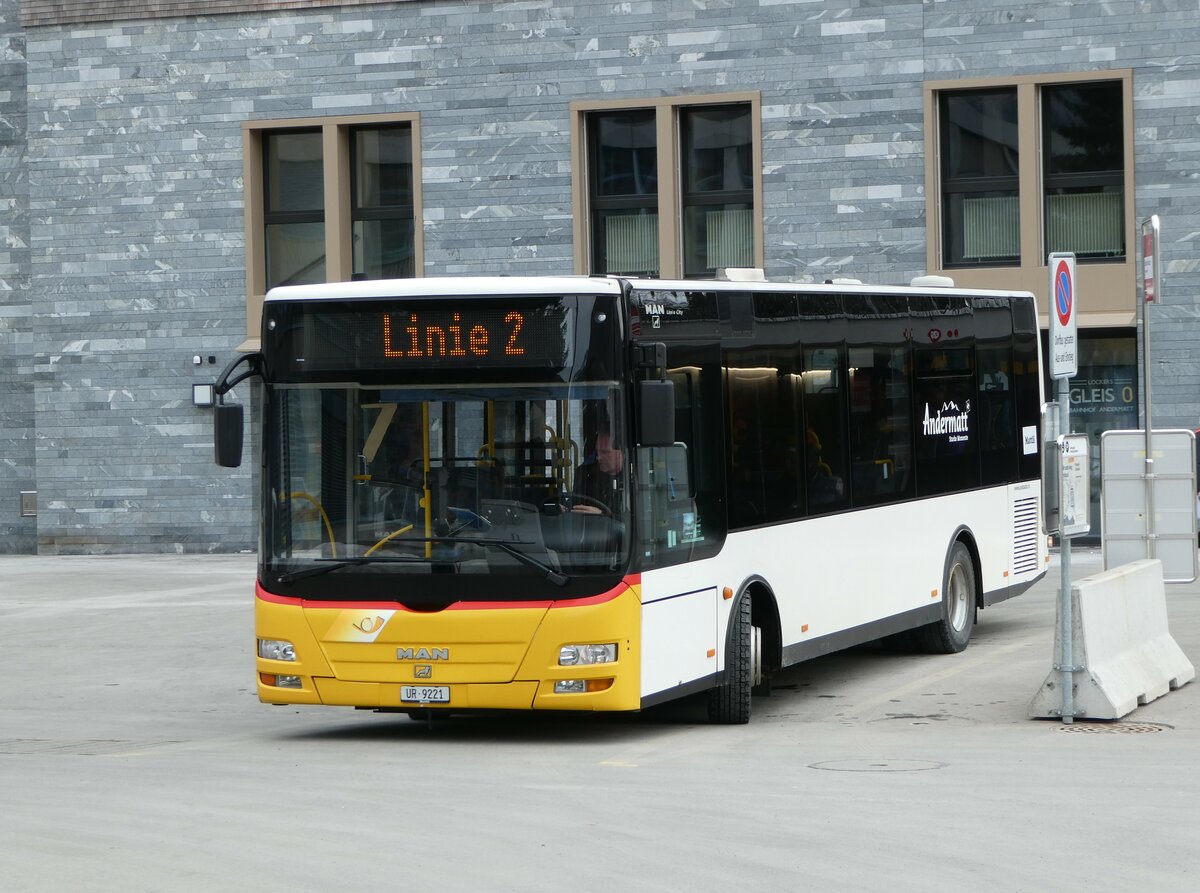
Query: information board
[{"x": 1075, "y": 480}]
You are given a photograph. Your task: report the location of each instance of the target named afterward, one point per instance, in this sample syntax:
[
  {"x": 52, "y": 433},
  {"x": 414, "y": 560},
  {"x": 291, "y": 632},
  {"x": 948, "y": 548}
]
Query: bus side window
[
  {"x": 825, "y": 452},
  {"x": 1027, "y": 383},
  {"x": 947, "y": 426},
  {"x": 681, "y": 511},
  {"x": 997, "y": 405},
  {"x": 880, "y": 424},
  {"x": 764, "y": 464}
]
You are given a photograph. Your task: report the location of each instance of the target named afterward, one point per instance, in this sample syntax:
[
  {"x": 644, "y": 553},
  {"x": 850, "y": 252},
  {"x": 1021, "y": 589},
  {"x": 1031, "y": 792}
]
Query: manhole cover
[
  {"x": 877, "y": 765},
  {"x": 918, "y": 719},
  {"x": 1115, "y": 728}
]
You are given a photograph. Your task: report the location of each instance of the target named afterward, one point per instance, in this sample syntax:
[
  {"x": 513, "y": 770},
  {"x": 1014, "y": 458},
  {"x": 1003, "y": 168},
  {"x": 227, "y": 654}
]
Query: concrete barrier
[{"x": 1122, "y": 649}]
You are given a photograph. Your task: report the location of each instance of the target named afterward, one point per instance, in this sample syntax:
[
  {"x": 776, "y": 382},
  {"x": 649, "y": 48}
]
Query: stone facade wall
[
  {"x": 121, "y": 159},
  {"x": 17, "y": 534}
]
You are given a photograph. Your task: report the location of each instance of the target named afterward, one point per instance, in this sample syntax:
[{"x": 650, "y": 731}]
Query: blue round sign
[{"x": 1064, "y": 292}]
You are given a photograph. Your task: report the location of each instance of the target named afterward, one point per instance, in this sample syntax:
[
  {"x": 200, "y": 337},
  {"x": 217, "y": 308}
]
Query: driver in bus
[{"x": 597, "y": 478}]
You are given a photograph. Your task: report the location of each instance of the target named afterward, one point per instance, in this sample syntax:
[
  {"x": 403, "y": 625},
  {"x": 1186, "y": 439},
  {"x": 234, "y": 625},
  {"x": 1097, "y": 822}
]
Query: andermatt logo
[{"x": 949, "y": 421}]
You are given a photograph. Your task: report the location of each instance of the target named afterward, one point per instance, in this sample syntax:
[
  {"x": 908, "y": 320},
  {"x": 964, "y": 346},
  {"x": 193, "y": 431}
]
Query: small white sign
[
  {"x": 1029, "y": 440},
  {"x": 1075, "y": 485}
]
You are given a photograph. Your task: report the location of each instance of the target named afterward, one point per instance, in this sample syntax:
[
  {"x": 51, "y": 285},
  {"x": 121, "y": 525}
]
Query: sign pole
[
  {"x": 1151, "y": 292},
  {"x": 1064, "y": 365},
  {"x": 1067, "y": 658}
]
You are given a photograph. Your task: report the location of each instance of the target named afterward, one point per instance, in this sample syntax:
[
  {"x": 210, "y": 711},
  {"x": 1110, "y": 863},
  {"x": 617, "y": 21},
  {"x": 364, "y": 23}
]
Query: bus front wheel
[
  {"x": 951, "y": 633},
  {"x": 729, "y": 702}
]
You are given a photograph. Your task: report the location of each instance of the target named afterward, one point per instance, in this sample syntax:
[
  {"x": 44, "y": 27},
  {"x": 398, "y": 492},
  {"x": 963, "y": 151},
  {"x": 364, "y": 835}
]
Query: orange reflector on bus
[
  {"x": 712, "y": 652},
  {"x": 933, "y": 593},
  {"x": 727, "y": 593},
  {"x": 599, "y": 684},
  {"x": 804, "y": 628},
  {"x": 1006, "y": 573},
  {"x": 267, "y": 678}
]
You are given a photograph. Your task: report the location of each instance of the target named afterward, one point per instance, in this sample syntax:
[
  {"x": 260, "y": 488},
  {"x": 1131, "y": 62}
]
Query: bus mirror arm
[
  {"x": 228, "y": 417},
  {"x": 253, "y": 363}
]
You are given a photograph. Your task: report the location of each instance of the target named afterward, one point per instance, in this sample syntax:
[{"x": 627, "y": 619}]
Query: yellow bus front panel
[{"x": 473, "y": 656}]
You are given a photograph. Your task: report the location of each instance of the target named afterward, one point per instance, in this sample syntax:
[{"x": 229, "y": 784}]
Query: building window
[
  {"x": 1083, "y": 181},
  {"x": 329, "y": 200},
  {"x": 1028, "y": 165},
  {"x": 718, "y": 188},
  {"x": 381, "y": 187},
  {"x": 622, "y": 146},
  {"x": 294, "y": 208},
  {"x": 673, "y": 187},
  {"x": 980, "y": 177},
  {"x": 1076, "y": 128}
]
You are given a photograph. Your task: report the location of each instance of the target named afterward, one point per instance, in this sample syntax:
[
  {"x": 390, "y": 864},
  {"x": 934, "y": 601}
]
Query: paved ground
[{"x": 134, "y": 756}]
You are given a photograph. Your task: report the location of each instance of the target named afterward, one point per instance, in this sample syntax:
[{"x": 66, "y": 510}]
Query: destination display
[
  {"x": 491, "y": 337},
  {"x": 425, "y": 335}
]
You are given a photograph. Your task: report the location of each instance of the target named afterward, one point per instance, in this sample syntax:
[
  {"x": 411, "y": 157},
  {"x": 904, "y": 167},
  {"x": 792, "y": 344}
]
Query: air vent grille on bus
[{"x": 1025, "y": 535}]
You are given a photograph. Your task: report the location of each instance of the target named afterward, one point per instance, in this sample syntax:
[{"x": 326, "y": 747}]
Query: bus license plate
[{"x": 425, "y": 694}]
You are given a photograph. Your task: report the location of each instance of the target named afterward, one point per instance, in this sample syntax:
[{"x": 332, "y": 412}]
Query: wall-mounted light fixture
[{"x": 203, "y": 395}]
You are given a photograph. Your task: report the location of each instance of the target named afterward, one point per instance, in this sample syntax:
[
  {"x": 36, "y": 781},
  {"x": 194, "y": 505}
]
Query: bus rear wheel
[
  {"x": 951, "y": 633},
  {"x": 729, "y": 702}
]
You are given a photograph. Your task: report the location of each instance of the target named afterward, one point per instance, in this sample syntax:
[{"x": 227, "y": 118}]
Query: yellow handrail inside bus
[
  {"x": 324, "y": 517},
  {"x": 428, "y": 497},
  {"x": 388, "y": 538}
]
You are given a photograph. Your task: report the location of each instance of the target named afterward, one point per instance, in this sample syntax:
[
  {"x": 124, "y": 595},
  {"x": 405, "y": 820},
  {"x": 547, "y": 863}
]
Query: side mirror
[
  {"x": 656, "y": 418},
  {"x": 227, "y": 434}
]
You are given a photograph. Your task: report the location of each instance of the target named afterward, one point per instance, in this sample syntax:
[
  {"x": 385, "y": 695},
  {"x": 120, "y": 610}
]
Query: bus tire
[
  {"x": 729, "y": 702},
  {"x": 951, "y": 633}
]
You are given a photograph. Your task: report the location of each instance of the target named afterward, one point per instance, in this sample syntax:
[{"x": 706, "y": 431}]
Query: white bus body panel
[
  {"x": 829, "y": 574},
  {"x": 679, "y": 633}
]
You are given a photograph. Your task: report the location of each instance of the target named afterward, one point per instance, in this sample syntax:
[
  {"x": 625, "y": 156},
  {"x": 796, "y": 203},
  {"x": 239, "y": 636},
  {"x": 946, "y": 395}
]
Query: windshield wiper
[
  {"x": 334, "y": 564},
  {"x": 506, "y": 546},
  {"x": 551, "y": 574}
]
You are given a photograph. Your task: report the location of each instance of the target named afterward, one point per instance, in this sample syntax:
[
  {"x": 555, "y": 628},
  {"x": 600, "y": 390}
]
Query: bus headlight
[
  {"x": 575, "y": 655},
  {"x": 276, "y": 649}
]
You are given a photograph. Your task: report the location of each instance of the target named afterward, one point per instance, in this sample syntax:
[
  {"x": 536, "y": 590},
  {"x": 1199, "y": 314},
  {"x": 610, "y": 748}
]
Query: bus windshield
[{"x": 423, "y": 481}]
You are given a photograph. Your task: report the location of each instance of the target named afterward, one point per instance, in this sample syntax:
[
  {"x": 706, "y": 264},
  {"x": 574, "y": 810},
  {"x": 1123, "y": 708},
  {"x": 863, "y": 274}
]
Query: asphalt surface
[{"x": 134, "y": 756}]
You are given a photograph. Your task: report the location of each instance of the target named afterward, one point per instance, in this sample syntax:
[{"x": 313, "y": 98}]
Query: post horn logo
[{"x": 370, "y": 625}]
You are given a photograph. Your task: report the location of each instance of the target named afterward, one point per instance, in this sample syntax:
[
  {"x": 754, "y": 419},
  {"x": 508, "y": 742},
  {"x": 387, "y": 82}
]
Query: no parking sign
[{"x": 1064, "y": 342}]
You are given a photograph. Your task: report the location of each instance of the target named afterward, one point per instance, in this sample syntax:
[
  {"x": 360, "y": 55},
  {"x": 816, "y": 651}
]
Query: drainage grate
[
  {"x": 1115, "y": 728},
  {"x": 95, "y": 748}
]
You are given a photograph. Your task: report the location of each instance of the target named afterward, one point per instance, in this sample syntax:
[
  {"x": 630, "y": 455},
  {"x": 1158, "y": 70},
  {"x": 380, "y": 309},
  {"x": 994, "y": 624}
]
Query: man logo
[
  {"x": 422, "y": 671},
  {"x": 422, "y": 654}
]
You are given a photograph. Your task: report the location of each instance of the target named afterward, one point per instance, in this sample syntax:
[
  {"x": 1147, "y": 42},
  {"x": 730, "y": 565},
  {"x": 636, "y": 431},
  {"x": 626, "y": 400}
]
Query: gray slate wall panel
[{"x": 123, "y": 213}]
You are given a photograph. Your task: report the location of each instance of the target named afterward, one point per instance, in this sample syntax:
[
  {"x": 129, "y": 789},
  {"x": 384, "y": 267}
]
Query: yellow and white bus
[{"x": 598, "y": 493}]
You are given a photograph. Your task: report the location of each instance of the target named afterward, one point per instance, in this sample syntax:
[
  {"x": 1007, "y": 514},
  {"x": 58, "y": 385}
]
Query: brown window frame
[
  {"x": 336, "y": 136},
  {"x": 670, "y": 165},
  {"x": 1110, "y": 286}
]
